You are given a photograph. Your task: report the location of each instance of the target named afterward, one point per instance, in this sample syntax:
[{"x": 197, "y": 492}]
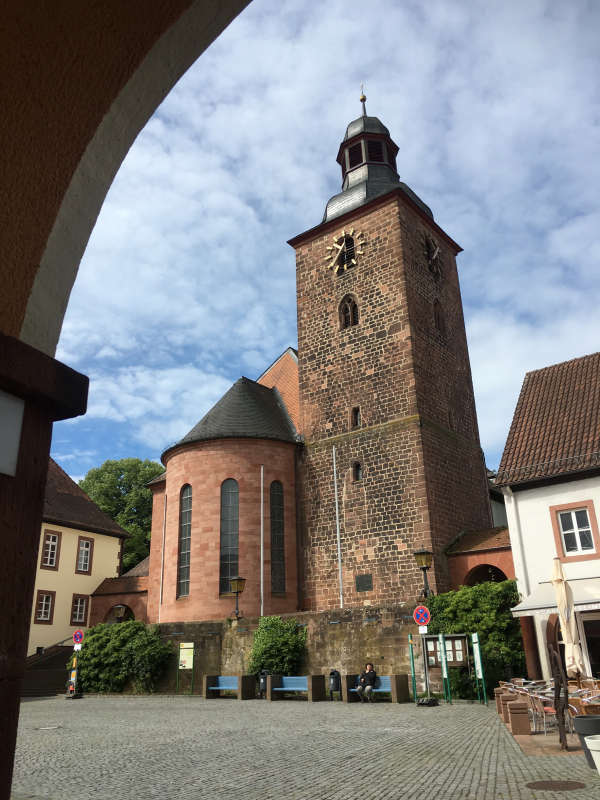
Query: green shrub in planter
[
  {"x": 120, "y": 655},
  {"x": 278, "y": 646}
]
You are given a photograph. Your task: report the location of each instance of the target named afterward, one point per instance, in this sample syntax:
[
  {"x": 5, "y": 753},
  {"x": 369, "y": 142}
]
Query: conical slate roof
[{"x": 246, "y": 411}]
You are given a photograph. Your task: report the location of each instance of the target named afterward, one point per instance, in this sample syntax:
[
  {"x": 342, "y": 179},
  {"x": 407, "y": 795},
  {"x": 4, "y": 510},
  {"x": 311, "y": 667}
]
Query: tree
[
  {"x": 119, "y": 489},
  {"x": 278, "y": 646}
]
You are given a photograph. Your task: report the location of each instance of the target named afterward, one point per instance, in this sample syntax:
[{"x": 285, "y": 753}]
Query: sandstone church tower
[{"x": 385, "y": 380}]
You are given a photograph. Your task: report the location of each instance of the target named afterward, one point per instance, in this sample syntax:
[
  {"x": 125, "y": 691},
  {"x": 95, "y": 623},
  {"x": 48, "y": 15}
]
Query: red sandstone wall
[
  {"x": 461, "y": 564},
  {"x": 423, "y": 476},
  {"x": 284, "y": 375},
  {"x": 205, "y": 465}
]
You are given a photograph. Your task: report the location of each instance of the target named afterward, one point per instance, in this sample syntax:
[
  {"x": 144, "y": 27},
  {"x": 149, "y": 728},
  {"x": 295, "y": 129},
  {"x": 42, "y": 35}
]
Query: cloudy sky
[{"x": 188, "y": 283}]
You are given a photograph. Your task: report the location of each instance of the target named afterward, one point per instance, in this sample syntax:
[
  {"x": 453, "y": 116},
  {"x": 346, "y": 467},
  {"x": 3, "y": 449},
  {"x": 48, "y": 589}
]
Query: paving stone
[{"x": 167, "y": 747}]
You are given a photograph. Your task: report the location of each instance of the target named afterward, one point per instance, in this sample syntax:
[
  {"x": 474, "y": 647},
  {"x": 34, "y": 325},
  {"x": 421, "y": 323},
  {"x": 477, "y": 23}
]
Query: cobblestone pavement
[{"x": 116, "y": 748}]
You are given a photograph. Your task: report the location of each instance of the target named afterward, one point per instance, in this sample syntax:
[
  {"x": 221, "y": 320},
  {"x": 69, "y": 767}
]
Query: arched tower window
[
  {"x": 229, "y": 534},
  {"x": 185, "y": 540},
  {"x": 277, "y": 538},
  {"x": 348, "y": 312}
]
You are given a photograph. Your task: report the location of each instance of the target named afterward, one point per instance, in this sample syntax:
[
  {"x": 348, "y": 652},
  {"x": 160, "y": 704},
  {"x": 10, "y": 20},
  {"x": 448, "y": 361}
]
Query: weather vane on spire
[{"x": 363, "y": 100}]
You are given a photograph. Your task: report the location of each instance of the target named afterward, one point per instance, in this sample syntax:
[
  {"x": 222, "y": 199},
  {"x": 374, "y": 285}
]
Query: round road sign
[
  {"x": 421, "y": 615},
  {"x": 78, "y": 636}
]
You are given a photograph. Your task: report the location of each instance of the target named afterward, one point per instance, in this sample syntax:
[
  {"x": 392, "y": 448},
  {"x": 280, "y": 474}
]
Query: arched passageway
[
  {"x": 483, "y": 573},
  {"x": 82, "y": 80}
]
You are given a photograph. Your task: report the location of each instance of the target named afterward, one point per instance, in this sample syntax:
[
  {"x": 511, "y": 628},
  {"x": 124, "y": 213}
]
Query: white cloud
[{"x": 188, "y": 282}]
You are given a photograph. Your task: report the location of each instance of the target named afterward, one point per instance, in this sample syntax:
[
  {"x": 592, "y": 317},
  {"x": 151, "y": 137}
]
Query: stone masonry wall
[
  {"x": 342, "y": 639},
  {"x": 406, "y": 366}
]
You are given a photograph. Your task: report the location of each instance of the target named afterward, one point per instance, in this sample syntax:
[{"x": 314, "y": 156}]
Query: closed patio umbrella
[{"x": 568, "y": 626}]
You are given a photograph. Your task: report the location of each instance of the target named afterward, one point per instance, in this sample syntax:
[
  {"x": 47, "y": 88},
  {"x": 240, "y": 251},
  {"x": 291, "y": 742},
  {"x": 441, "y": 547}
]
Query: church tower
[{"x": 385, "y": 388}]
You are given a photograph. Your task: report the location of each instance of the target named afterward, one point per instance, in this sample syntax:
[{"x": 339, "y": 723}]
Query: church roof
[
  {"x": 246, "y": 411},
  {"x": 65, "y": 503},
  {"x": 556, "y": 426},
  {"x": 473, "y": 541}
]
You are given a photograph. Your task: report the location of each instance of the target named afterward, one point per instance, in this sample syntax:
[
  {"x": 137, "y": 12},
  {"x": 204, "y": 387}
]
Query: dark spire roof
[
  {"x": 247, "y": 411},
  {"x": 65, "y": 503},
  {"x": 367, "y": 156}
]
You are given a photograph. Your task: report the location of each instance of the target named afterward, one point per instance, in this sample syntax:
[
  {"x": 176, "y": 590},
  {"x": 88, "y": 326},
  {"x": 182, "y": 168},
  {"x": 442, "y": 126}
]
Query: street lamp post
[
  {"x": 424, "y": 559},
  {"x": 237, "y": 587}
]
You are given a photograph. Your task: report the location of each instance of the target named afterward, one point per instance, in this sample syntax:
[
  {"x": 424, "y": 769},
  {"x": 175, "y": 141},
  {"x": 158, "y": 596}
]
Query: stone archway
[
  {"x": 483, "y": 573},
  {"x": 119, "y": 613},
  {"x": 81, "y": 81}
]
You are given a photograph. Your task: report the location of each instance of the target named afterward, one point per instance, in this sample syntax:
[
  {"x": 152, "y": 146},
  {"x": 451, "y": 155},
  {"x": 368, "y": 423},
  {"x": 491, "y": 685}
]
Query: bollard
[
  {"x": 505, "y": 699},
  {"x": 498, "y": 691},
  {"x": 518, "y": 712}
]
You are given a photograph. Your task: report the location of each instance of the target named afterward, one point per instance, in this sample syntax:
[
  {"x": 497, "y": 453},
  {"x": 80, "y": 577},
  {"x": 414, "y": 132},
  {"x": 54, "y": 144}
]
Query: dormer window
[{"x": 375, "y": 150}]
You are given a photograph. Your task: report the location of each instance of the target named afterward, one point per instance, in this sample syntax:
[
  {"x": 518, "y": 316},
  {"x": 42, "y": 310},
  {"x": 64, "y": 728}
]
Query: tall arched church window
[
  {"x": 277, "y": 538},
  {"x": 229, "y": 534},
  {"x": 348, "y": 312},
  {"x": 185, "y": 541}
]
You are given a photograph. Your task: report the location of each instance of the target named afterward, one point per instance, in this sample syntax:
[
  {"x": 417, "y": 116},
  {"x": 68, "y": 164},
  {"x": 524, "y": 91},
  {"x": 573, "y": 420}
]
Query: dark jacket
[{"x": 368, "y": 678}]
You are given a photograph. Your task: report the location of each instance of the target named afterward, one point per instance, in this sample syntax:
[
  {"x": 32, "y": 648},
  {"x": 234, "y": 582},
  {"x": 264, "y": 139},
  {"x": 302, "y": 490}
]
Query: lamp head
[
  {"x": 237, "y": 585},
  {"x": 423, "y": 558}
]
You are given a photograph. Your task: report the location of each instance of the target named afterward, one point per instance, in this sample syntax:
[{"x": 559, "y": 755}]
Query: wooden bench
[
  {"x": 313, "y": 685},
  {"x": 243, "y": 685},
  {"x": 396, "y": 685}
]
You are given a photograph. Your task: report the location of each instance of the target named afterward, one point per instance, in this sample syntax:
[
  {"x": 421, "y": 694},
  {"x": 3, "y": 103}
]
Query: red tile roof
[
  {"x": 556, "y": 425},
  {"x": 65, "y": 503},
  {"x": 472, "y": 541}
]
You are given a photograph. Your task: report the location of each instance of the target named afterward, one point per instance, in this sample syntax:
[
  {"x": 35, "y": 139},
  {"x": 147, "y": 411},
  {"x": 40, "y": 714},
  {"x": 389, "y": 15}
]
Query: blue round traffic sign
[
  {"x": 78, "y": 637},
  {"x": 421, "y": 615}
]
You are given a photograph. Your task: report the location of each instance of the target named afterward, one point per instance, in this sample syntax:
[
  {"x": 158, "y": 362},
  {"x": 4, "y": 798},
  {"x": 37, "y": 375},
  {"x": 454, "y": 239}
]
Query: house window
[
  {"x": 185, "y": 541},
  {"x": 79, "y": 609},
  {"x": 277, "y": 539},
  {"x": 355, "y": 417},
  {"x": 348, "y": 312},
  {"x": 229, "y": 534},
  {"x": 575, "y": 531},
  {"x": 44, "y": 607},
  {"x": 50, "y": 550},
  {"x": 357, "y": 472},
  {"x": 85, "y": 553}
]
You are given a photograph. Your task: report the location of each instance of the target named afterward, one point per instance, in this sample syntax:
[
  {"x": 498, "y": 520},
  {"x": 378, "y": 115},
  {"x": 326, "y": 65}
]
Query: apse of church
[{"x": 384, "y": 378}]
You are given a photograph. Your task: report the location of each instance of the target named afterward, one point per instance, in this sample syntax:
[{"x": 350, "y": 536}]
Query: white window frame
[
  {"x": 85, "y": 551},
  {"x": 50, "y": 549},
  {"x": 46, "y": 611},
  {"x": 576, "y": 530}
]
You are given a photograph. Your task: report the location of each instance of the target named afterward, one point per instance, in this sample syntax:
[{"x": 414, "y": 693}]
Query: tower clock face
[{"x": 342, "y": 253}]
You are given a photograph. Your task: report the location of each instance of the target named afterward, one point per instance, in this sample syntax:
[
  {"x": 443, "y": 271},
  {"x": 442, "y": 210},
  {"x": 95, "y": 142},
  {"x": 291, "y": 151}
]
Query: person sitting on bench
[{"x": 366, "y": 682}]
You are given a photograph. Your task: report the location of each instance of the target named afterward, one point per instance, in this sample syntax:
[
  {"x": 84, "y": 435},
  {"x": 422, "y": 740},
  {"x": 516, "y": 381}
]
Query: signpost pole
[
  {"x": 444, "y": 663},
  {"x": 412, "y": 667},
  {"x": 478, "y": 668},
  {"x": 422, "y": 616},
  {"x": 425, "y": 665}
]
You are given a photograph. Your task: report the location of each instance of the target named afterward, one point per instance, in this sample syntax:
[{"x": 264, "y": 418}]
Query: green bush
[
  {"x": 483, "y": 609},
  {"x": 278, "y": 646},
  {"x": 127, "y": 653}
]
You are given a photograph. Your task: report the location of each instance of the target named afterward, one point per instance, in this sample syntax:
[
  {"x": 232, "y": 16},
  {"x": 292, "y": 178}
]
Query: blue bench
[
  {"x": 313, "y": 685},
  {"x": 243, "y": 685},
  {"x": 395, "y": 685}
]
